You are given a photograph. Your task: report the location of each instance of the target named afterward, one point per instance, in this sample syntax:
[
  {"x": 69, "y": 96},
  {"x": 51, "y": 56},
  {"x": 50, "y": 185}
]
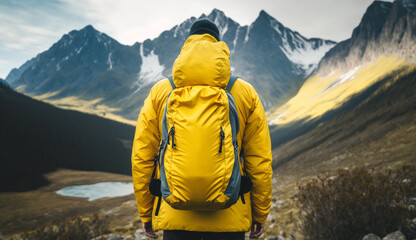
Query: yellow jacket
[{"x": 205, "y": 61}]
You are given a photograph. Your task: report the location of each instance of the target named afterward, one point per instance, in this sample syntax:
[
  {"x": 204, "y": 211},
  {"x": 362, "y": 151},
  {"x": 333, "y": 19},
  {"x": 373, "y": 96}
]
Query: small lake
[{"x": 98, "y": 190}]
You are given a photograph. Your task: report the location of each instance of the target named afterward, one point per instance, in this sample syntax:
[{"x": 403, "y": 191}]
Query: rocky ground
[{"x": 26, "y": 211}]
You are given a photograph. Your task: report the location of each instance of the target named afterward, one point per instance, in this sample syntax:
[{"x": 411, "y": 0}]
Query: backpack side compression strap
[
  {"x": 171, "y": 82},
  {"x": 231, "y": 82}
]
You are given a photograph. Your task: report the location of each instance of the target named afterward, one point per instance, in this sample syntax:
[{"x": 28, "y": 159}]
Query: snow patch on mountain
[
  {"x": 109, "y": 62},
  {"x": 341, "y": 79},
  {"x": 223, "y": 31},
  {"x": 271, "y": 122},
  {"x": 236, "y": 38},
  {"x": 276, "y": 25},
  {"x": 151, "y": 70},
  {"x": 305, "y": 55},
  {"x": 232, "y": 69},
  {"x": 78, "y": 50},
  {"x": 176, "y": 31},
  {"x": 248, "y": 32},
  {"x": 219, "y": 20},
  {"x": 301, "y": 51}
]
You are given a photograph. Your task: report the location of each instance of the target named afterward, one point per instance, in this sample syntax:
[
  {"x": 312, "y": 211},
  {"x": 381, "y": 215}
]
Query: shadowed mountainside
[{"x": 37, "y": 138}]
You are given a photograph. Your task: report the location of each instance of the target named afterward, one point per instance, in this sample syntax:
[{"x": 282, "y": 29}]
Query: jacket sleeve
[
  {"x": 145, "y": 147},
  {"x": 258, "y": 160}
]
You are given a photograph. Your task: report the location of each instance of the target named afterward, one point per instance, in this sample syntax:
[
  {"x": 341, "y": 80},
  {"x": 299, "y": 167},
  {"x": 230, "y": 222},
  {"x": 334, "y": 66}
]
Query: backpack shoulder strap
[
  {"x": 231, "y": 82},
  {"x": 172, "y": 83}
]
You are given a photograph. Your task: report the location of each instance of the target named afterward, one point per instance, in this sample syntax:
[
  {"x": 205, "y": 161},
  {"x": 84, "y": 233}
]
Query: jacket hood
[{"x": 202, "y": 61}]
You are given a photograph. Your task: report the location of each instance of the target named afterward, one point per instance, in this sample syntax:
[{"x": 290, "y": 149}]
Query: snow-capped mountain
[
  {"x": 304, "y": 53},
  {"x": 77, "y": 64},
  {"x": 87, "y": 65}
]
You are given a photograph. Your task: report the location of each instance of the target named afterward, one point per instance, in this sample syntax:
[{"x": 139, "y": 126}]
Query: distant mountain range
[{"x": 89, "y": 71}]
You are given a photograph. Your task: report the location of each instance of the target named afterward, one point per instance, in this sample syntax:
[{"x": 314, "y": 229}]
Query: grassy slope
[
  {"x": 91, "y": 106},
  {"x": 37, "y": 138},
  {"x": 380, "y": 130},
  {"x": 321, "y": 94}
]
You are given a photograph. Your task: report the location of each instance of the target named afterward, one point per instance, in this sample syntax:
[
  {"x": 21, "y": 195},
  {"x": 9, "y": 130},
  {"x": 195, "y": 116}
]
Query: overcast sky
[{"x": 29, "y": 27}]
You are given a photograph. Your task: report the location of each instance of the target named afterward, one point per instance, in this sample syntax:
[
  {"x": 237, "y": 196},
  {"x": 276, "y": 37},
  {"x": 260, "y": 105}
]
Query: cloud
[
  {"x": 132, "y": 21},
  {"x": 31, "y": 27},
  {"x": 26, "y": 25}
]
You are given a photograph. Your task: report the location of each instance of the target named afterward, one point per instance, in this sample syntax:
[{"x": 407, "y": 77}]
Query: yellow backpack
[{"x": 198, "y": 155}]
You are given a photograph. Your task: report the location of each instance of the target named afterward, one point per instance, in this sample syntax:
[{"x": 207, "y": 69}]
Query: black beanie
[{"x": 205, "y": 26}]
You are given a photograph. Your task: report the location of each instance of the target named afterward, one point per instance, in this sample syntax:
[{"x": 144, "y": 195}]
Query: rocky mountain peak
[
  {"x": 264, "y": 14},
  {"x": 217, "y": 14},
  {"x": 88, "y": 28},
  {"x": 385, "y": 29},
  {"x": 373, "y": 20},
  {"x": 87, "y": 36}
]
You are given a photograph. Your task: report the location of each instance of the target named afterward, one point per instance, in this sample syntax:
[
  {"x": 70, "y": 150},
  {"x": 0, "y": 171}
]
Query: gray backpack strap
[
  {"x": 171, "y": 82},
  {"x": 231, "y": 82}
]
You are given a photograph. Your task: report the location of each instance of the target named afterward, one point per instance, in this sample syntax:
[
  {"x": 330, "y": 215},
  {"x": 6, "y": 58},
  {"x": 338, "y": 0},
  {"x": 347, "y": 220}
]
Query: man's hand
[
  {"x": 256, "y": 229},
  {"x": 148, "y": 229}
]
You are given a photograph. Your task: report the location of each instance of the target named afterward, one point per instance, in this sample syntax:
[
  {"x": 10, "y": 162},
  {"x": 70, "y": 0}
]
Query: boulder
[
  {"x": 407, "y": 181},
  {"x": 115, "y": 237},
  {"x": 274, "y": 238},
  {"x": 395, "y": 236},
  {"x": 282, "y": 236},
  {"x": 413, "y": 224},
  {"x": 371, "y": 236},
  {"x": 271, "y": 218},
  {"x": 139, "y": 235}
]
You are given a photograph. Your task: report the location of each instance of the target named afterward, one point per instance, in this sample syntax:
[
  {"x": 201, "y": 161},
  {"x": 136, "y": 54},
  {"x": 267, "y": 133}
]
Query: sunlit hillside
[
  {"x": 95, "y": 106},
  {"x": 320, "y": 94}
]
